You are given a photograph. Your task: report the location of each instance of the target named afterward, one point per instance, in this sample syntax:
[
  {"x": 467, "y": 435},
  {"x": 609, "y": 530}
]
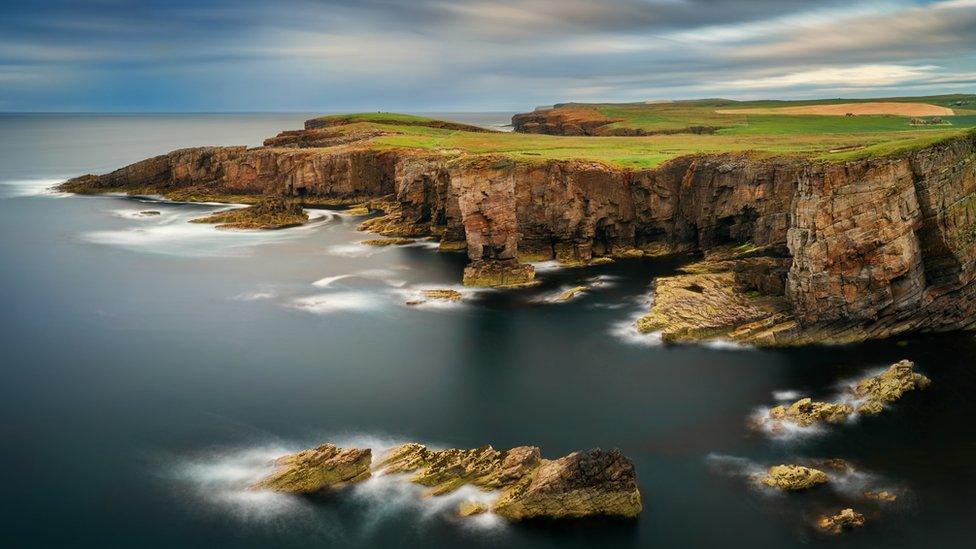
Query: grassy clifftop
[{"x": 818, "y": 137}]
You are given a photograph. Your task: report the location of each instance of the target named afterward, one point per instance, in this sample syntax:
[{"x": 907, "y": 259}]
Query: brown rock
[
  {"x": 888, "y": 386},
  {"x": 793, "y": 477},
  {"x": 499, "y": 274},
  {"x": 318, "y": 469},
  {"x": 845, "y": 519},
  {"x": 469, "y": 508},
  {"x": 806, "y": 412}
]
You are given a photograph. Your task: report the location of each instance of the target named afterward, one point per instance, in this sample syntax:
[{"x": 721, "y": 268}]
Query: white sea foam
[
  {"x": 31, "y": 187},
  {"x": 386, "y": 276},
  {"x": 222, "y": 479},
  {"x": 327, "y": 281},
  {"x": 324, "y": 304},
  {"x": 254, "y": 296},
  {"x": 354, "y": 249},
  {"x": 626, "y": 330},
  {"x": 787, "y": 395}
]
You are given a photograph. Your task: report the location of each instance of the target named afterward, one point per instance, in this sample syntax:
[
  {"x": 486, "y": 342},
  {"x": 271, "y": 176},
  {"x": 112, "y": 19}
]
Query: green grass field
[{"x": 818, "y": 137}]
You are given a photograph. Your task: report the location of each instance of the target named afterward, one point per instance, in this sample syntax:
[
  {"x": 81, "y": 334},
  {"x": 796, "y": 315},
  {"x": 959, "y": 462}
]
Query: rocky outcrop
[
  {"x": 581, "y": 484},
  {"x": 843, "y": 252},
  {"x": 868, "y": 396},
  {"x": 888, "y": 386},
  {"x": 793, "y": 477},
  {"x": 272, "y": 213},
  {"x": 806, "y": 412},
  {"x": 318, "y": 469},
  {"x": 843, "y": 520}
]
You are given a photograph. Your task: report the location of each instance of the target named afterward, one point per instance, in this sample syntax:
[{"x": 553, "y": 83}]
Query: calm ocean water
[{"x": 151, "y": 368}]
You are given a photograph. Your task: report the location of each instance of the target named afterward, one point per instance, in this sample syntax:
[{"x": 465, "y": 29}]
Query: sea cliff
[{"x": 825, "y": 251}]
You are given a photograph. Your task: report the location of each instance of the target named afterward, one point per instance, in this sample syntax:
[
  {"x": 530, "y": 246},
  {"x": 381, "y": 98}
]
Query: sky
[{"x": 472, "y": 55}]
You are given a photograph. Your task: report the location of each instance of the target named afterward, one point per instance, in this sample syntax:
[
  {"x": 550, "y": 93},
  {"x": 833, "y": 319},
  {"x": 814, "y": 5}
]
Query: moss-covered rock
[
  {"x": 793, "y": 477},
  {"x": 318, "y": 469},
  {"x": 272, "y": 213}
]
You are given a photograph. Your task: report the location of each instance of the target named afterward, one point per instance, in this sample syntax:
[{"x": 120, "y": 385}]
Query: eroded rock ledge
[
  {"x": 821, "y": 252},
  {"x": 593, "y": 482}
]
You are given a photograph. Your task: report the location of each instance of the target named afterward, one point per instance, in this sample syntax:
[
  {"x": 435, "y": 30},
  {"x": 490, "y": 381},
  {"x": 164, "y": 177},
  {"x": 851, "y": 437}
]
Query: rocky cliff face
[{"x": 855, "y": 250}]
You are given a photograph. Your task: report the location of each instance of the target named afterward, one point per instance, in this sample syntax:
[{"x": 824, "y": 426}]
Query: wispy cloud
[{"x": 470, "y": 54}]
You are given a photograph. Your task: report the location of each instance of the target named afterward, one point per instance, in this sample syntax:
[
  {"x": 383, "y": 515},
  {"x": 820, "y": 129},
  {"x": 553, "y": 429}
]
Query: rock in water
[
  {"x": 318, "y": 469},
  {"x": 793, "y": 477},
  {"x": 806, "y": 412},
  {"x": 271, "y": 213},
  {"x": 889, "y": 386},
  {"x": 469, "y": 508},
  {"x": 845, "y": 519},
  {"x": 382, "y": 242},
  {"x": 499, "y": 274},
  {"x": 571, "y": 293},
  {"x": 581, "y": 484}
]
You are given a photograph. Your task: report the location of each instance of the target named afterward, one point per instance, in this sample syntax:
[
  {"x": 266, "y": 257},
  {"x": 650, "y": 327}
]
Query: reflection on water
[{"x": 152, "y": 367}]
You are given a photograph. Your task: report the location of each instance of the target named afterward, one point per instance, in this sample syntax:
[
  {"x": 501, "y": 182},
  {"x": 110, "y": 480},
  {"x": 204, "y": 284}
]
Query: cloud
[{"x": 470, "y": 54}]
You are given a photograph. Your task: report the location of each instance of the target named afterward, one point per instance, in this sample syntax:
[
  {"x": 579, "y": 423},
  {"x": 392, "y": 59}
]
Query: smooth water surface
[{"x": 151, "y": 368}]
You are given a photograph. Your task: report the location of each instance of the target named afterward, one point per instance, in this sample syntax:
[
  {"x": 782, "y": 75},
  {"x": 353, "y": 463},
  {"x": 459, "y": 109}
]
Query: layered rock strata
[
  {"x": 593, "y": 482},
  {"x": 849, "y": 251}
]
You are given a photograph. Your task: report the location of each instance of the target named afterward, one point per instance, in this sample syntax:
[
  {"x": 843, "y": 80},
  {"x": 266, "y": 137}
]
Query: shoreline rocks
[{"x": 587, "y": 483}]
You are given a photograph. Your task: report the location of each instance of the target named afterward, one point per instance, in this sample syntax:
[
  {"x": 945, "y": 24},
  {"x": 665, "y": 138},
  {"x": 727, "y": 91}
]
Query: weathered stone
[
  {"x": 318, "y": 469},
  {"x": 498, "y": 274},
  {"x": 843, "y": 520},
  {"x": 806, "y": 412},
  {"x": 793, "y": 477},
  {"x": 271, "y": 213},
  {"x": 888, "y": 386},
  {"x": 581, "y": 484},
  {"x": 357, "y": 209}
]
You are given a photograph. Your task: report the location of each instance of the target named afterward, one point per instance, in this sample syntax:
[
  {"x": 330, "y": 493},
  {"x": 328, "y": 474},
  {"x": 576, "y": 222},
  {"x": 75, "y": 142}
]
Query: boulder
[
  {"x": 271, "y": 213},
  {"x": 793, "y": 477},
  {"x": 499, "y": 274}
]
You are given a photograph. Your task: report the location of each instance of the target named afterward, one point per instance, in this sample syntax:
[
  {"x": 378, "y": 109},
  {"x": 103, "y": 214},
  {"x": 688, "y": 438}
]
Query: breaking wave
[
  {"x": 324, "y": 304},
  {"x": 31, "y": 187}
]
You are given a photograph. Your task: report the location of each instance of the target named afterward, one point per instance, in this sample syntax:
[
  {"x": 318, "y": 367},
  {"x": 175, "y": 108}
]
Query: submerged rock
[
  {"x": 148, "y": 213},
  {"x": 571, "y": 293},
  {"x": 837, "y": 523},
  {"x": 889, "y": 386},
  {"x": 318, "y": 469},
  {"x": 469, "y": 508},
  {"x": 436, "y": 295},
  {"x": 380, "y": 242},
  {"x": 272, "y": 213},
  {"x": 793, "y": 477},
  {"x": 499, "y": 274},
  {"x": 881, "y": 495}
]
